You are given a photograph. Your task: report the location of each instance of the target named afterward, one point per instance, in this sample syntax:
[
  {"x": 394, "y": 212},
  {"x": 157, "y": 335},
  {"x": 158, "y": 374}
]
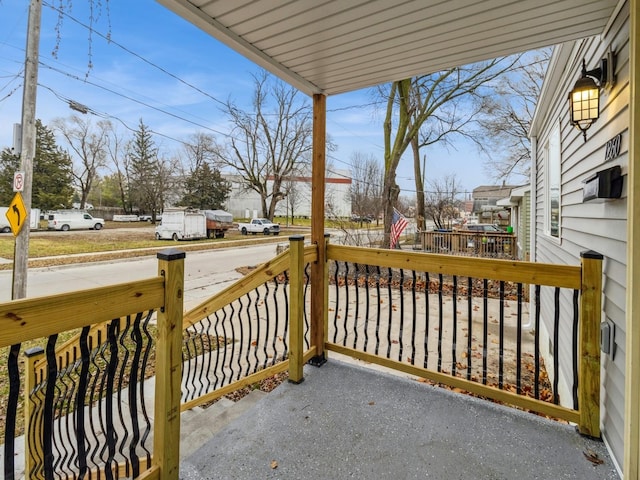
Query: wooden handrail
[{"x": 564, "y": 276}]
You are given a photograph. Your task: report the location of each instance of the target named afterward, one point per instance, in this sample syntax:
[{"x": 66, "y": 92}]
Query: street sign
[
  {"x": 16, "y": 214},
  {"x": 18, "y": 181}
]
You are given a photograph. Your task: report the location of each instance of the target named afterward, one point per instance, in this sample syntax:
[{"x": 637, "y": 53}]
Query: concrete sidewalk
[{"x": 347, "y": 421}]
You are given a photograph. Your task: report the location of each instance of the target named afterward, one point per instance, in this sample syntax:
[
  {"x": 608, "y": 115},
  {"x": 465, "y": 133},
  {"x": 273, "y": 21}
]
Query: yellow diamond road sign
[{"x": 16, "y": 214}]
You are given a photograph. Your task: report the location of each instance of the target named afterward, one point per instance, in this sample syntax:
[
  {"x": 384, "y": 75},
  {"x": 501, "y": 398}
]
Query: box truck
[{"x": 182, "y": 224}]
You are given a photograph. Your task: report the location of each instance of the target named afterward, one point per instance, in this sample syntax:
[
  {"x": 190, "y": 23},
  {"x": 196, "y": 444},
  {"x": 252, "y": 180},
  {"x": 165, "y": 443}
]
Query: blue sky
[{"x": 127, "y": 88}]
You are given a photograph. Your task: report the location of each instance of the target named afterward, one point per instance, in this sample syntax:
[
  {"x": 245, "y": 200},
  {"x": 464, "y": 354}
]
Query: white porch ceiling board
[
  {"x": 424, "y": 35},
  {"x": 334, "y": 46},
  {"x": 455, "y": 50}
]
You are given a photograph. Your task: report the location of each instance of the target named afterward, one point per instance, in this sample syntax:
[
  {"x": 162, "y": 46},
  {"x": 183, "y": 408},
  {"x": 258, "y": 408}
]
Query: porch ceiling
[{"x": 336, "y": 46}]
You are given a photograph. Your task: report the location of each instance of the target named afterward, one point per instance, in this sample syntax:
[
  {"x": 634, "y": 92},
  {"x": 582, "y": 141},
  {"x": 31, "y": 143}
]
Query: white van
[{"x": 66, "y": 221}]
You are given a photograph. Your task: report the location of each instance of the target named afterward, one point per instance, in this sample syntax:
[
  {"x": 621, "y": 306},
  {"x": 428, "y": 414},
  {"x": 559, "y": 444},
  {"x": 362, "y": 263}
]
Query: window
[{"x": 553, "y": 183}]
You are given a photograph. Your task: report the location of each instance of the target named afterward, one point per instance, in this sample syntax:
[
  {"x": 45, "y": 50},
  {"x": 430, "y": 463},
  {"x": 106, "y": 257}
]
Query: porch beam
[
  {"x": 318, "y": 280},
  {"x": 631, "y": 467}
]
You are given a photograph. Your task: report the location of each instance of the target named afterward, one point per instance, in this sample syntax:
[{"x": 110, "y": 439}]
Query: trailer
[
  {"x": 182, "y": 224},
  {"x": 218, "y": 222}
]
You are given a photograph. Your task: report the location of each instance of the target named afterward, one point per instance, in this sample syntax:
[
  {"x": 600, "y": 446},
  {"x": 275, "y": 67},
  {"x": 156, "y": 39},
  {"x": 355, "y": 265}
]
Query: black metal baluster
[
  {"x": 427, "y": 315},
  {"x": 224, "y": 359},
  {"x": 187, "y": 355},
  {"x": 337, "y": 302},
  {"x": 124, "y": 355},
  {"x": 536, "y": 344},
  {"x": 81, "y": 395},
  {"x": 148, "y": 350},
  {"x": 454, "y": 334},
  {"x": 357, "y": 302},
  {"x": 501, "y": 340},
  {"x": 440, "y": 319},
  {"x": 469, "y": 325},
  {"x": 12, "y": 409},
  {"x": 207, "y": 355},
  {"x": 134, "y": 377},
  {"x": 201, "y": 346},
  {"x": 48, "y": 414},
  {"x": 413, "y": 317},
  {"x": 485, "y": 333},
  {"x": 401, "y": 326},
  {"x": 266, "y": 332},
  {"x": 285, "y": 335},
  {"x": 110, "y": 433},
  {"x": 307, "y": 282},
  {"x": 367, "y": 307},
  {"x": 378, "y": 309},
  {"x": 219, "y": 349},
  {"x": 556, "y": 336},
  {"x": 519, "y": 342},
  {"x": 65, "y": 418},
  {"x": 346, "y": 303},
  {"x": 251, "y": 342},
  {"x": 575, "y": 349},
  {"x": 390, "y": 309},
  {"x": 276, "y": 323},
  {"x": 232, "y": 315}
]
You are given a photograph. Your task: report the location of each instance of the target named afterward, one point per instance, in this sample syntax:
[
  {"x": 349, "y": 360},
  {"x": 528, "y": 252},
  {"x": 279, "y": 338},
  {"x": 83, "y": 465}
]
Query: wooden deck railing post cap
[
  {"x": 170, "y": 254},
  {"x": 592, "y": 255},
  {"x": 296, "y": 238},
  {"x": 33, "y": 351}
]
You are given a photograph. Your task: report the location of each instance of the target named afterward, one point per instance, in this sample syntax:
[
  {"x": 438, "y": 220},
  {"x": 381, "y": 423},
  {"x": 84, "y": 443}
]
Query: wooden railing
[
  {"x": 462, "y": 323},
  {"x": 475, "y": 244},
  {"x": 359, "y": 279}
]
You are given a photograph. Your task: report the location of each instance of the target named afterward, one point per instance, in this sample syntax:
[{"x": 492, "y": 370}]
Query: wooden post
[
  {"x": 296, "y": 309},
  {"x": 589, "y": 344},
  {"x": 166, "y": 434},
  {"x": 631, "y": 464},
  {"x": 318, "y": 282},
  {"x": 33, "y": 446}
]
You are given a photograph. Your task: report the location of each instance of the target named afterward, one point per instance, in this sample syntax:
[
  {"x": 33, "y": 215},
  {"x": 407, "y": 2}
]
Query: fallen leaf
[
  {"x": 592, "y": 457},
  {"x": 372, "y": 403},
  {"x": 274, "y": 464}
]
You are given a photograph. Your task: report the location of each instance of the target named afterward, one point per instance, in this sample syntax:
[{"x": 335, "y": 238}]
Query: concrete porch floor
[{"x": 348, "y": 421}]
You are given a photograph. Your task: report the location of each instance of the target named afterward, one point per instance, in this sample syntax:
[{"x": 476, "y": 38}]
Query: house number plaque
[{"x": 612, "y": 148}]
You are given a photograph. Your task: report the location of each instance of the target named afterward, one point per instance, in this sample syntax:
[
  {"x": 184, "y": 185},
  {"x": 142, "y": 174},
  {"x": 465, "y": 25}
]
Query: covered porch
[{"x": 350, "y": 421}]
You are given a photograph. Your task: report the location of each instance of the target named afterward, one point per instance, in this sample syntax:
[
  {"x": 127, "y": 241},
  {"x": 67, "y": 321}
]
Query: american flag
[{"x": 398, "y": 224}]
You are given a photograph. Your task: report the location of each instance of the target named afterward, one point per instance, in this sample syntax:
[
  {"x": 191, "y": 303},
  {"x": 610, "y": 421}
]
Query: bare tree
[
  {"x": 88, "y": 142},
  {"x": 443, "y": 202},
  {"x": 507, "y": 117},
  {"x": 267, "y": 144},
  {"x": 119, "y": 160},
  {"x": 436, "y": 99},
  {"x": 366, "y": 186}
]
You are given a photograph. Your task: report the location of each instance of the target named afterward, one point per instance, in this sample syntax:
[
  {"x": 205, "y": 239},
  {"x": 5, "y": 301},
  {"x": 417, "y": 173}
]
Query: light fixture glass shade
[{"x": 584, "y": 102}]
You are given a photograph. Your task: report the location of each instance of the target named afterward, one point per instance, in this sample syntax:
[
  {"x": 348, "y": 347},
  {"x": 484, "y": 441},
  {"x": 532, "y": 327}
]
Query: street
[{"x": 206, "y": 272}]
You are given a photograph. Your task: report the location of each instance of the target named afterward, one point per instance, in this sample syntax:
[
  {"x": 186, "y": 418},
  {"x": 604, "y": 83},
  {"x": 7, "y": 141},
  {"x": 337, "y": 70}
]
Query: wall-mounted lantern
[{"x": 584, "y": 99}]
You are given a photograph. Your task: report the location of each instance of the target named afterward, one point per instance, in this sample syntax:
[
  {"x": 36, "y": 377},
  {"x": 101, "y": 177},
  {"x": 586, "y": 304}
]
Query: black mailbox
[{"x": 603, "y": 184}]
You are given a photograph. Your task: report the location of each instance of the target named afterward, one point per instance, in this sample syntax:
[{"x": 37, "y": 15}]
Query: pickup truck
[{"x": 259, "y": 225}]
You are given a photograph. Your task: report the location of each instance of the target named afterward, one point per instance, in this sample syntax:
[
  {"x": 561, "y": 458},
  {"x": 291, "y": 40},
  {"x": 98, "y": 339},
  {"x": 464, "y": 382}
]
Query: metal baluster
[
  {"x": 367, "y": 307},
  {"x": 469, "y": 324},
  {"x": 575, "y": 349},
  {"x": 454, "y": 335},
  {"x": 346, "y": 303},
  {"x": 337, "y": 304},
  {"x": 485, "y": 333},
  {"x": 148, "y": 349},
  {"x": 440, "y": 320},
  {"x": 12, "y": 409},
  {"x": 48, "y": 416},
  {"x": 378, "y": 309},
  {"x": 536, "y": 343},
  {"x": 357, "y": 302},
  {"x": 389, "y": 307},
  {"x": 519, "y": 342},
  {"x": 81, "y": 395},
  {"x": 401, "y": 327},
  {"x": 556, "y": 347},
  {"x": 427, "y": 314},
  {"x": 501, "y": 356},
  {"x": 413, "y": 317},
  {"x": 265, "y": 303}
]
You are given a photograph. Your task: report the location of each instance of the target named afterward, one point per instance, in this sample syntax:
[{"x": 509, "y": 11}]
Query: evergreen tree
[
  {"x": 205, "y": 188},
  {"x": 52, "y": 173},
  {"x": 148, "y": 175}
]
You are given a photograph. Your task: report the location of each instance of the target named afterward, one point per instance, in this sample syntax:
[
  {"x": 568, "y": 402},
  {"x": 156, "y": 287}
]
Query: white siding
[{"x": 595, "y": 225}]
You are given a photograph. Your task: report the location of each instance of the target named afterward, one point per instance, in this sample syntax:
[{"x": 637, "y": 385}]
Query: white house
[
  {"x": 245, "y": 203},
  {"x": 572, "y": 173}
]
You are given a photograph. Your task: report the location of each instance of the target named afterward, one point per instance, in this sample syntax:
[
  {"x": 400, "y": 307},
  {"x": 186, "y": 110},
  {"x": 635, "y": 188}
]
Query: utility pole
[{"x": 21, "y": 252}]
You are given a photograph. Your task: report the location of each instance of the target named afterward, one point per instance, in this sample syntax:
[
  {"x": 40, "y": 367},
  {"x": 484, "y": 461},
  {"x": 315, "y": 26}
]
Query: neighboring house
[
  {"x": 485, "y": 207},
  {"x": 566, "y": 220},
  {"x": 519, "y": 203},
  {"x": 246, "y": 203}
]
